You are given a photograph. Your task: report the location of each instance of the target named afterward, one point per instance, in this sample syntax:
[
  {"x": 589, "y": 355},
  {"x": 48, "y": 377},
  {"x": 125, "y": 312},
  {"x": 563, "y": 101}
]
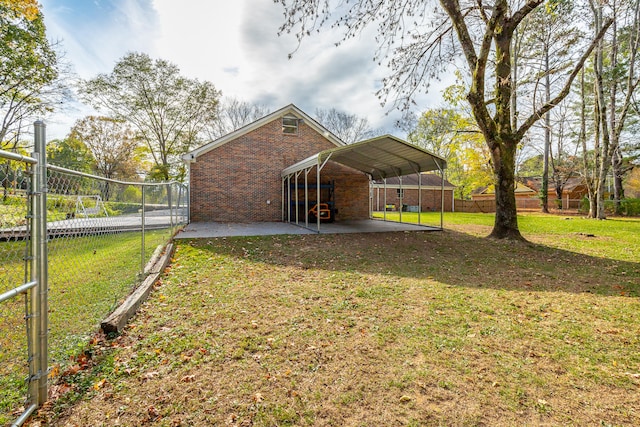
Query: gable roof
[
  {"x": 570, "y": 184},
  {"x": 288, "y": 110},
  {"x": 380, "y": 157},
  {"x": 520, "y": 188}
]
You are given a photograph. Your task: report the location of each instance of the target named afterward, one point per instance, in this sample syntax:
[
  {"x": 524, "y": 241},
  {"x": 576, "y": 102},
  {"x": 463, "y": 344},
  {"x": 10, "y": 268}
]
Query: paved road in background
[{"x": 79, "y": 226}]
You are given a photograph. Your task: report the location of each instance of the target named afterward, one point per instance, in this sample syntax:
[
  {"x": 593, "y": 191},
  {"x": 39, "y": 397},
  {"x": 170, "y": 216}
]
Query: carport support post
[
  {"x": 297, "y": 205},
  {"x": 282, "y": 200},
  {"x": 442, "y": 177},
  {"x": 370, "y": 197},
  {"x": 306, "y": 197},
  {"x": 288, "y": 198},
  {"x": 419, "y": 197},
  {"x": 384, "y": 206},
  {"x": 318, "y": 195},
  {"x": 400, "y": 178}
]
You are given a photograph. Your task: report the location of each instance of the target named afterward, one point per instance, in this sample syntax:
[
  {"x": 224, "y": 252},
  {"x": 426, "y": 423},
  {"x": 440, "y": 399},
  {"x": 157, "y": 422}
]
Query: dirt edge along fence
[{"x": 72, "y": 246}]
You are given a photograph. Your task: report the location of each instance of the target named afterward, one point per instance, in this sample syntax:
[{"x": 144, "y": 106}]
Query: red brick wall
[
  {"x": 431, "y": 199},
  {"x": 233, "y": 182}
]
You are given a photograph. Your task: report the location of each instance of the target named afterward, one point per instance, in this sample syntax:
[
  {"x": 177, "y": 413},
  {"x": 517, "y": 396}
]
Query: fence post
[
  {"x": 171, "y": 200},
  {"x": 142, "y": 261},
  {"x": 40, "y": 264}
]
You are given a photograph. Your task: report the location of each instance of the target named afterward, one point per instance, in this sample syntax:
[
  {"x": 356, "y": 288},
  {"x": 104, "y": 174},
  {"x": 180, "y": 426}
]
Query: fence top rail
[
  {"x": 113, "y": 181},
  {"x": 18, "y": 157}
]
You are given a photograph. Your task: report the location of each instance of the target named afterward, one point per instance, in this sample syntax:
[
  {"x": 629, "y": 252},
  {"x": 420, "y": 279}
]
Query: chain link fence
[
  {"x": 16, "y": 286},
  {"x": 100, "y": 233}
]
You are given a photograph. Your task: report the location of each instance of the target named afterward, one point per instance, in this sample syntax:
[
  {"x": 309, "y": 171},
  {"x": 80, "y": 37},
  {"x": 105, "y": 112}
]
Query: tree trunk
[
  {"x": 506, "y": 220},
  {"x": 544, "y": 196},
  {"x": 602, "y": 125},
  {"x": 618, "y": 189}
]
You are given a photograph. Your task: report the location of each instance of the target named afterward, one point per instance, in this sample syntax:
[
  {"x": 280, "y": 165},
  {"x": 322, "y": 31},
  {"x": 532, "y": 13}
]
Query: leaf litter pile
[{"x": 381, "y": 329}]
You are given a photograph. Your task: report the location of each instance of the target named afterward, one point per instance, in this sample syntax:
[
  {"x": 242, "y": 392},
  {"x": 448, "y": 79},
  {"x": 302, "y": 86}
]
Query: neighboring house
[
  {"x": 573, "y": 191},
  {"x": 526, "y": 197},
  {"x": 528, "y": 193},
  {"x": 404, "y": 192},
  {"x": 278, "y": 167}
]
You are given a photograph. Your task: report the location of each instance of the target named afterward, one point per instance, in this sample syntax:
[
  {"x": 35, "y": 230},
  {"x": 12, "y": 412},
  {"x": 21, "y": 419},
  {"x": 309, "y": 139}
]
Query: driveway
[{"x": 198, "y": 230}]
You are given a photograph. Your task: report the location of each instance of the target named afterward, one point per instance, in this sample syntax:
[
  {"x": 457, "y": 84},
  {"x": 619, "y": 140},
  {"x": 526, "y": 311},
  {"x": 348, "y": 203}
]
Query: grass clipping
[{"x": 379, "y": 329}]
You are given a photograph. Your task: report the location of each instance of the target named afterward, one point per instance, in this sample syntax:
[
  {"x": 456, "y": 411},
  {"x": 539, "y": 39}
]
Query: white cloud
[{"x": 233, "y": 44}]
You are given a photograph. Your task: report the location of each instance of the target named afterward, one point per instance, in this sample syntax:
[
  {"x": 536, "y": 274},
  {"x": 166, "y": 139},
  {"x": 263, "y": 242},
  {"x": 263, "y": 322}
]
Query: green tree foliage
[
  {"x": 70, "y": 153},
  {"x": 531, "y": 167},
  {"x": 112, "y": 144},
  {"x": 168, "y": 111},
  {"x": 419, "y": 40},
  {"x": 29, "y": 69},
  {"x": 451, "y": 135},
  {"x": 28, "y": 9}
]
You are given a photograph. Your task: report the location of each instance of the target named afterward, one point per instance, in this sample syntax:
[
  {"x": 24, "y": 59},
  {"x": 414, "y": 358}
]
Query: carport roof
[{"x": 380, "y": 157}]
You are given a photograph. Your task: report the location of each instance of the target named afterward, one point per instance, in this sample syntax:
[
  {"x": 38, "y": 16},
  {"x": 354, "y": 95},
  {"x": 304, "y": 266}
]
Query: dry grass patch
[{"x": 378, "y": 329}]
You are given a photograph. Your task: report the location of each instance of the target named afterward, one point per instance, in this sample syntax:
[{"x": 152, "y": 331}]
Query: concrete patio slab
[{"x": 203, "y": 230}]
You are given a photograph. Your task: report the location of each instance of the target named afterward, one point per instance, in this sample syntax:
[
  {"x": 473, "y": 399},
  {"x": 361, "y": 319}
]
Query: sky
[{"x": 231, "y": 43}]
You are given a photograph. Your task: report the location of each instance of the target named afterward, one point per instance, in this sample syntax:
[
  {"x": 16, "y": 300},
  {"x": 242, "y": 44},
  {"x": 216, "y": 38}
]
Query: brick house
[
  {"x": 278, "y": 167},
  {"x": 236, "y": 178}
]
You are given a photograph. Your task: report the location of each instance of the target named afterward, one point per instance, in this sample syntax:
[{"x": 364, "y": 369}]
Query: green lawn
[
  {"x": 88, "y": 277},
  {"x": 573, "y": 233},
  {"x": 420, "y": 328}
]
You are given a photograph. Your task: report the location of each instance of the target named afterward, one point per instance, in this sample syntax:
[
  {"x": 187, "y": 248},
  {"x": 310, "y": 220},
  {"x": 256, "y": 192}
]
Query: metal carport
[{"x": 379, "y": 158}]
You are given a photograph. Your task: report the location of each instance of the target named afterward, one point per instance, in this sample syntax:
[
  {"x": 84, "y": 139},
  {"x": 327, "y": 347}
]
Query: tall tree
[
  {"x": 112, "y": 143},
  {"x": 234, "y": 114},
  {"x": 29, "y": 69},
  {"x": 546, "y": 53},
  {"x": 563, "y": 151},
  {"x": 349, "y": 128},
  {"x": 420, "y": 42},
  {"x": 169, "y": 111},
  {"x": 70, "y": 153},
  {"x": 616, "y": 77}
]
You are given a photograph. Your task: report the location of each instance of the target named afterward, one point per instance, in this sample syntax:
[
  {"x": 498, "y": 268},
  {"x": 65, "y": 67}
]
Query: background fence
[
  {"x": 522, "y": 204},
  {"x": 96, "y": 238}
]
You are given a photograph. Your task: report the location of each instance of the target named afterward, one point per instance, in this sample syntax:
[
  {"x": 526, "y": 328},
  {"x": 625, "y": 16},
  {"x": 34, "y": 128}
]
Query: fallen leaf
[
  {"x": 151, "y": 374},
  {"x": 98, "y": 385},
  {"x": 153, "y": 413}
]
